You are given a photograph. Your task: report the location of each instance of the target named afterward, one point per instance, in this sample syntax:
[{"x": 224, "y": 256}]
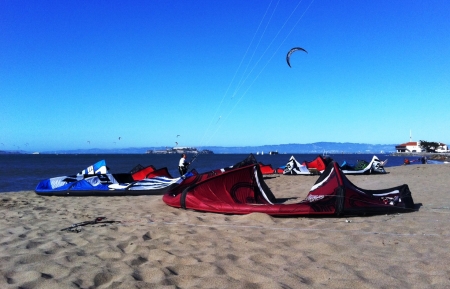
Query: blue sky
[{"x": 81, "y": 74}]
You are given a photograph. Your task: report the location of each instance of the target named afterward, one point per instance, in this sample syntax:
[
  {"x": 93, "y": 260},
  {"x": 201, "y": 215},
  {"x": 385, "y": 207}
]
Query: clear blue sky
[{"x": 214, "y": 72}]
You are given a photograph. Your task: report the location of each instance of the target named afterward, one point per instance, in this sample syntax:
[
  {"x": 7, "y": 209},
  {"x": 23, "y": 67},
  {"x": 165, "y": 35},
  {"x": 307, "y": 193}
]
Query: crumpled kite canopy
[{"x": 288, "y": 56}]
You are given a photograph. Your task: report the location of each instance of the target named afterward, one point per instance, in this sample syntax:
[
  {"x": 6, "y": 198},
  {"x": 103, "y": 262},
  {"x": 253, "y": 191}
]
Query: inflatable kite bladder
[
  {"x": 97, "y": 181},
  {"x": 314, "y": 167},
  {"x": 243, "y": 191},
  {"x": 375, "y": 166}
]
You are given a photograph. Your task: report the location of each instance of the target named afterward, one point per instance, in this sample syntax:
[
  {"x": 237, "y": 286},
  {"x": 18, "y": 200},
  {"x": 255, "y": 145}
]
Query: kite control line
[{"x": 193, "y": 158}]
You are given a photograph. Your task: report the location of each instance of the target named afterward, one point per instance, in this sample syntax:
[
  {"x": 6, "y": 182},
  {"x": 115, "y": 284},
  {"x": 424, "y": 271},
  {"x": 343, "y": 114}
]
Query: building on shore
[
  {"x": 409, "y": 147},
  {"x": 442, "y": 148},
  {"x": 179, "y": 150},
  {"x": 414, "y": 147}
]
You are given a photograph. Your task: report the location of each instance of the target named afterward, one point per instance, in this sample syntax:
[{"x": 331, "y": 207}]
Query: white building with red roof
[
  {"x": 414, "y": 147},
  {"x": 409, "y": 147}
]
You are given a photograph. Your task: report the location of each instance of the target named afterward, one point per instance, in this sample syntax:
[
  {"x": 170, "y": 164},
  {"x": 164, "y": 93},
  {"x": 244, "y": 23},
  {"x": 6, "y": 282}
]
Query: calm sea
[{"x": 23, "y": 172}]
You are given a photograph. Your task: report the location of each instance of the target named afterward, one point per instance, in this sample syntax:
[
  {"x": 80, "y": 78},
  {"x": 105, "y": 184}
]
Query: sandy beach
[{"x": 155, "y": 246}]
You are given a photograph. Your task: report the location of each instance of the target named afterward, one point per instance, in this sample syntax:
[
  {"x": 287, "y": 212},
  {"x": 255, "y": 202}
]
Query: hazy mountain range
[{"x": 313, "y": 148}]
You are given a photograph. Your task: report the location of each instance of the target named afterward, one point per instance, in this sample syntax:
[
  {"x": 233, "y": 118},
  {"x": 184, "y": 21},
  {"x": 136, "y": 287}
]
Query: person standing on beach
[{"x": 183, "y": 165}]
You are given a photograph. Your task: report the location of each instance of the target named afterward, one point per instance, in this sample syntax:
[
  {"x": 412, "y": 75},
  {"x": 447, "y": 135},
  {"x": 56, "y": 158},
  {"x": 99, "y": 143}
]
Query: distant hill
[
  {"x": 12, "y": 152},
  {"x": 311, "y": 148}
]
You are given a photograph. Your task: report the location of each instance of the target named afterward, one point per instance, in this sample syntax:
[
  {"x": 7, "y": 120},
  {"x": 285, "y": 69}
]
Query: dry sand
[{"x": 156, "y": 246}]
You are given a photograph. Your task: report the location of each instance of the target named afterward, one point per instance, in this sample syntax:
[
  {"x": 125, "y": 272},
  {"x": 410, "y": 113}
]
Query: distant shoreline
[{"x": 432, "y": 156}]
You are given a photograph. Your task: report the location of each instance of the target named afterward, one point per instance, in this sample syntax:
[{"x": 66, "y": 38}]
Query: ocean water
[{"x": 24, "y": 172}]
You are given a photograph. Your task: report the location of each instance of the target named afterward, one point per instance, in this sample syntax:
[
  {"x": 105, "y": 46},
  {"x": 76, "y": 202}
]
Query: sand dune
[{"x": 156, "y": 246}]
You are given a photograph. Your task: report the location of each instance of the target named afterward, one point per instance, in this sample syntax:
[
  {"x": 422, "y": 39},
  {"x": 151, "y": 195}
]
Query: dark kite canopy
[{"x": 288, "y": 56}]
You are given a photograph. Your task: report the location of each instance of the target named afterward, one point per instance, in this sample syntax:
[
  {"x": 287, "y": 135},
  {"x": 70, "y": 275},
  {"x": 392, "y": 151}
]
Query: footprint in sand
[
  {"x": 127, "y": 247},
  {"x": 139, "y": 261}
]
